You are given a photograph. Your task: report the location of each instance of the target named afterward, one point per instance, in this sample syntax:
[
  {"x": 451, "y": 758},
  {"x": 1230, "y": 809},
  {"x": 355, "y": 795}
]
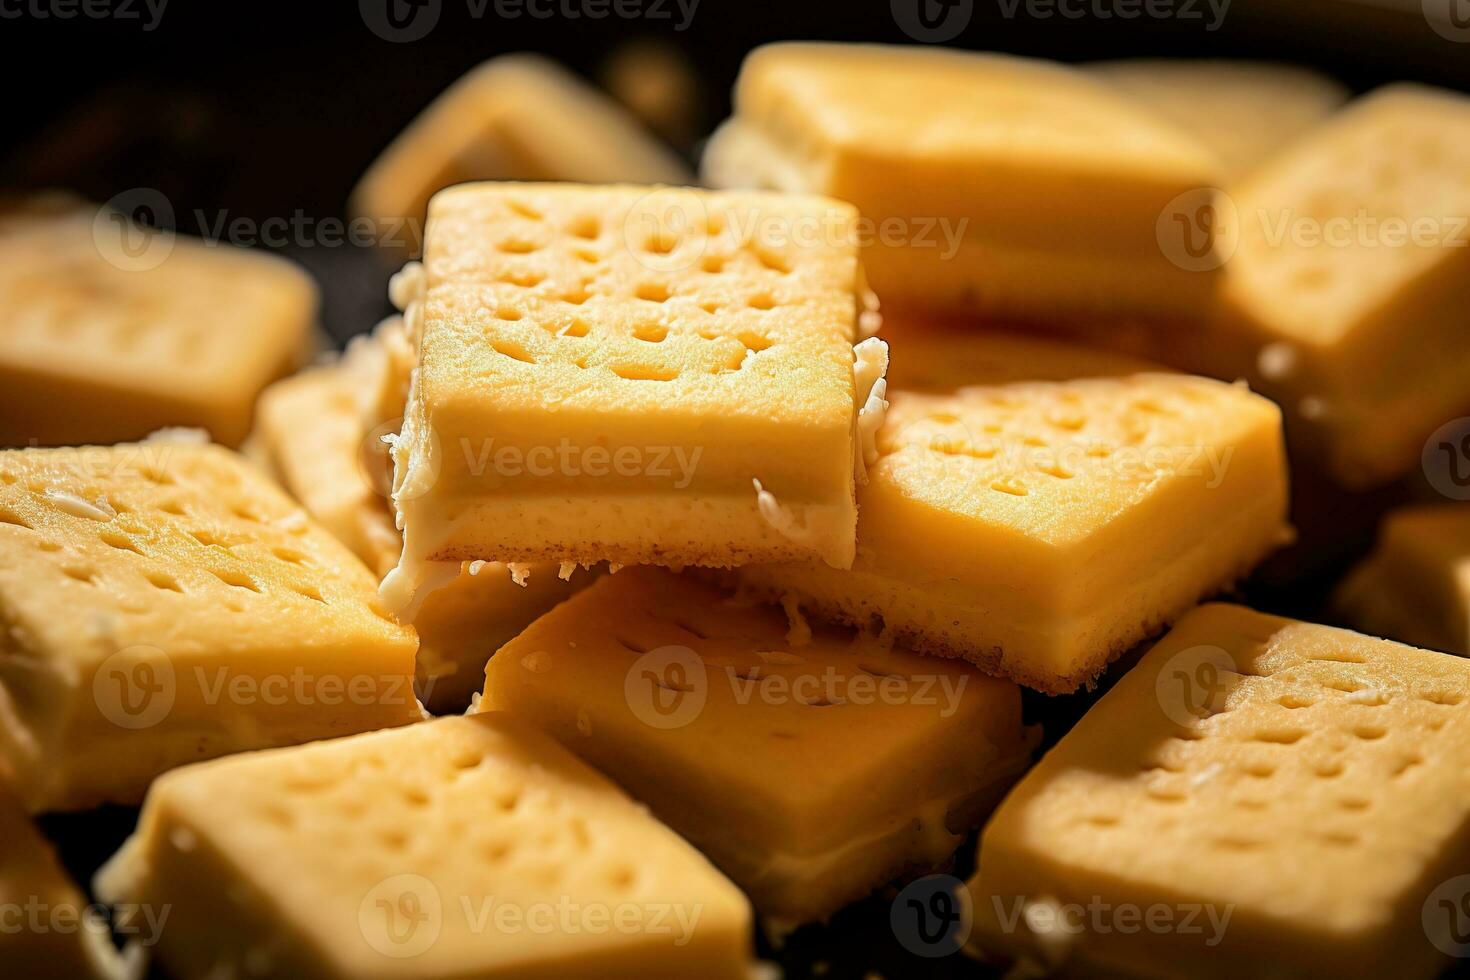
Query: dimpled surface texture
[
  {"x": 1309, "y": 781},
  {"x": 98, "y": 349},
  {"x": 1354, "y": 263},
  {"x": 811, "y": 772},
  {"x": 164, "y": 603},
  {"x": 604, "y": 372},
  {"x": 1040, "y": 529},
  {"x": 460, "y": 847}
]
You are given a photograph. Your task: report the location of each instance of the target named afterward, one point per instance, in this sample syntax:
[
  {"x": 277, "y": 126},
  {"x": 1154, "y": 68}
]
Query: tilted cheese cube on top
[
  {"x": 812, "y": 769},
  {"x": 1040, "y": 529},
  {"x": 1257, "y": 793},
  {"x": 641, "y": 375},
  {"x": 456, "y": 848},
  {"x": 987, "y": 183},
  {"x": 165, "y": 603},
  {"x": 1351, "y": 281}
]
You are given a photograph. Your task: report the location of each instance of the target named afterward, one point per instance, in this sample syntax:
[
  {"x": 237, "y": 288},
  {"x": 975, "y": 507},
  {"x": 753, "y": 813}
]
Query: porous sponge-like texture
[
  {"x": 1309, "y": 781},
  {"x": 446, "y": 821}
]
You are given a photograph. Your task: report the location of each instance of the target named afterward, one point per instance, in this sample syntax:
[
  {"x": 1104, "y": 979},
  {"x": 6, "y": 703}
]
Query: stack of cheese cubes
[{"x": 723, "y": 585}]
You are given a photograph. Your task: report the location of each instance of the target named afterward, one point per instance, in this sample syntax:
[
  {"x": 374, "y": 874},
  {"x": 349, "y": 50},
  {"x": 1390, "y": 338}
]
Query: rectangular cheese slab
[
  {"x": 1256, "y": 794},
  {"x": 311, "y": 429},
  {"x": 1040, "y": 529},
  {"x": 113, "y": 332},
  {"x": 1352, "y": 277},
  {"x": 622, "y": 373},
  {"x": 456, "y": 848},
  {"x": 516, "y": 117},
  {"x": 1415, "y": 586},
  {"x": 990, "y": 184},
  {"x": 49, "y": 929},
  {"x": 1244, "y": 111},
  {"x": 811, "y": 768},
  {"x": 165, "y": 603}
]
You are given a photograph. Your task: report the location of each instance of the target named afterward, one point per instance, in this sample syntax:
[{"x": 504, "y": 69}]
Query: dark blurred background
[{"x": 272, "y": 110}]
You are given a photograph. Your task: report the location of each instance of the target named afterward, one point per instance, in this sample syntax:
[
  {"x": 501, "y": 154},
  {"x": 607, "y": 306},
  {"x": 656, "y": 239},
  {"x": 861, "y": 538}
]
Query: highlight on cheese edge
[
  {"x": 1270, "y": 791},
  {"x": 632, "y": 374},
  {"x": 166, "y": 603},
  {"x": 810, "y": 768},
  {"x": 459, "y": 847}
]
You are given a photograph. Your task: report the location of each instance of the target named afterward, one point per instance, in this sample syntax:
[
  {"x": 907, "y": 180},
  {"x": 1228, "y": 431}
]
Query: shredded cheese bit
[
  {"x": 178, "y": 435},
  {"x": 613, "y": 567},
  {"x": 476, "y": 566},
  {"x": 870, "y": 319},
  {"x": 870, "y": 387},
  {"x": 519, "y": 572},
  {"x": 92, "y": 510},
  {"x": 565, "y": 571},
  {"x": 798, "y": 631},
  {"x": 781, "y": 519},
  {"x": 406, "y": 284}
]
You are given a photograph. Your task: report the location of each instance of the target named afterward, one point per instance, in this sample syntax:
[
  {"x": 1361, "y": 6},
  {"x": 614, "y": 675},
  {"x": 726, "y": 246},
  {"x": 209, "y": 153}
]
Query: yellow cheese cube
[
  {"x": 1352, "y": 278},
  {"x": 516, "y": 117},
  {"x": 165, "y": 603},
  {"x": 1041, "y": 529},
  {"x": 1258, "y": 794},
  {"x": 1245, "y": 111},
  {"x": 461, "y": 847},
  {"x": 630, "y": 374},
  {"x": 1415, "y": 587},
  {"x": 102, "y": 345},
  {"x": 47, "y": 928},
  {"x": 810, "y": 772},
  {"x": 310, "y": 429},
  {"x": 988, "y": 183}
]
